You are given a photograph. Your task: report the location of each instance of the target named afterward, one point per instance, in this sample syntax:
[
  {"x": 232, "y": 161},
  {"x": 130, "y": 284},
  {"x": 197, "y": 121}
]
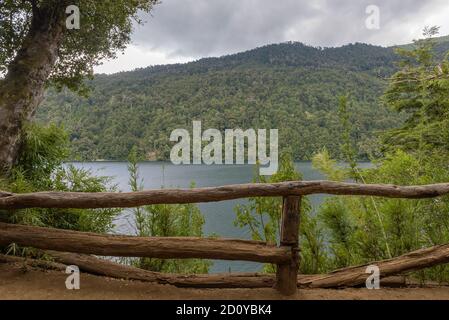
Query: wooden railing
[{"x": 285, "y": 256}]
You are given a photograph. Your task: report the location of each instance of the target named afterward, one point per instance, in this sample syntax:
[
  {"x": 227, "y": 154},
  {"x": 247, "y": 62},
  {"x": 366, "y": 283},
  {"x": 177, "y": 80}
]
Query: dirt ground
[{"x": 18, "y": 283}]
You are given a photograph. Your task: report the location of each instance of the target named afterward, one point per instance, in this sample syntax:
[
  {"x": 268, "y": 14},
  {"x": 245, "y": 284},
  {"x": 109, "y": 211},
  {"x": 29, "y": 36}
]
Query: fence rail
[
  {"x": 151, "y": 247},
  {"x": 85, "y": 200},
  {"x": 285, "y": 256}
]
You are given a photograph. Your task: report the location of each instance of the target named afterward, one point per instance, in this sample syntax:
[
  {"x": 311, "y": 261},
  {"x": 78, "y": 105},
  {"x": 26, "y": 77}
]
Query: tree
[
  {"x": 36, "y": 48},
  {"x": 420, "y": 89}
]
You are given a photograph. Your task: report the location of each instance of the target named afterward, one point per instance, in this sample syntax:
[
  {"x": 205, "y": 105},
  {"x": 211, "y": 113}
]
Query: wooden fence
[{"x": 285, "y": 256}]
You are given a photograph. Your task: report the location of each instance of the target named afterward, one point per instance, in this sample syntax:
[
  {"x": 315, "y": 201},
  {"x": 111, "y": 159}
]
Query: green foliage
[
  {"x": 322, "y": 162},
  {"x": 289, "y": 86},
  {"x": 165, "y": 220},
  {"x": 262, "y": 215},
  {"x": 43, "y": 149},
  {"x": 41, "y": 168},
  {"x": 421, "y": 89},
  {"x": 105, "y": 29},
  {"x": 361, "y": 229},
  {"x": 314, "y": 252},
  {"x": 341, "y": 231},
  {"x": 348, "y": 150}
]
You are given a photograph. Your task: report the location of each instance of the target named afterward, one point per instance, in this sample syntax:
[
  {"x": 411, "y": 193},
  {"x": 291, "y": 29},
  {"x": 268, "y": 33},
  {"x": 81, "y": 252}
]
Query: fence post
[{"x": 286, "y": 274}]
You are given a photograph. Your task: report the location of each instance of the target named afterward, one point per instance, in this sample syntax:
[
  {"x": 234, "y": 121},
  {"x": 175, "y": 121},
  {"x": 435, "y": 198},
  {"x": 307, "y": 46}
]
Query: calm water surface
[{"x": 219, "y": 216}]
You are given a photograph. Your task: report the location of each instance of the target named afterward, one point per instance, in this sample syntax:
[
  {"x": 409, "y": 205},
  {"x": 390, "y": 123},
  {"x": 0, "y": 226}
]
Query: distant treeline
[{"x": 289, "y": 86}]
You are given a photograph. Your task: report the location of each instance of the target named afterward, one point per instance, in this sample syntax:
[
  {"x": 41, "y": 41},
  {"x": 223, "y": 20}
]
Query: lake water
[{"x": 219, "y": 216}]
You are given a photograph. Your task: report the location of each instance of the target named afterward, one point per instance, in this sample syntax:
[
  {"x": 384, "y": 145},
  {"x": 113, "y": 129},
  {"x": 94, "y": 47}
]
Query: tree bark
[{"x": 22, "y": 89}]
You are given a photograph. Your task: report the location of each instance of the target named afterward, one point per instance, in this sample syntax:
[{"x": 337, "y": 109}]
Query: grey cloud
[{"x": 198, "y": 28}]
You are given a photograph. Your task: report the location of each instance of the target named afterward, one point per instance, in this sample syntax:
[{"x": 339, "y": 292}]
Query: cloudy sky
[{"x": 186, "y": 30}]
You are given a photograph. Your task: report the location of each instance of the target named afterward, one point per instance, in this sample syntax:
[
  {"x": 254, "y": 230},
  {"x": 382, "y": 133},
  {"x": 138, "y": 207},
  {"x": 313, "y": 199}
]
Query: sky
[{"x": 178, "y": 31}]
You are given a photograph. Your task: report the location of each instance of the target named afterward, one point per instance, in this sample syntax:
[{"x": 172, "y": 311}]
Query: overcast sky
[{"x": 186, "y": 30}]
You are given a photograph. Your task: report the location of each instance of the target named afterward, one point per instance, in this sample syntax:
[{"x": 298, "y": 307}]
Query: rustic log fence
[{"x": 82, "y": 245}]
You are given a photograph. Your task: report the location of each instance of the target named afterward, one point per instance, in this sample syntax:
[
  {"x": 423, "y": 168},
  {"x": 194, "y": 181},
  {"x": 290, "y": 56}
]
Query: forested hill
[{"x": 288, "y": 86}]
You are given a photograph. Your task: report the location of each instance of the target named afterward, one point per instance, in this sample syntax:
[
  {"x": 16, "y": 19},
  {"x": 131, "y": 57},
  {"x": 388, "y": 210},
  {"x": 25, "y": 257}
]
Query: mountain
[{"x": 288, "y": 86}]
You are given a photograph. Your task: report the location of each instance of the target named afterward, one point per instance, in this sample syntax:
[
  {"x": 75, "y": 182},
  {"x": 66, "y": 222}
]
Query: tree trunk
[{"x": 23, "y": 87}]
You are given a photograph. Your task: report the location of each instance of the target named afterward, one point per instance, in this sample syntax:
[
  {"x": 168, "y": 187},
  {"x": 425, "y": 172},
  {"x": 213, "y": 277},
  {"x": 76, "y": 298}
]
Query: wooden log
[
  {"x": 356, "y": 276},
  {"x": 346, "y": 277},
  {"x": 5, "y": 194},
  {"x": 101, "y": 267},
  {"x": 210, "y": 194},
  {"x": 43, "y": 264},
  {"x": 93, "y": 265},
  {"x": 287, "y": 273},
  {"x": 130, "y": 246}
]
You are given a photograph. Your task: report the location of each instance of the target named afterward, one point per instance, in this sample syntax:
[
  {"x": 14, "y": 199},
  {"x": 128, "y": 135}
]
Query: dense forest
[{"x": 289, "y": 86}]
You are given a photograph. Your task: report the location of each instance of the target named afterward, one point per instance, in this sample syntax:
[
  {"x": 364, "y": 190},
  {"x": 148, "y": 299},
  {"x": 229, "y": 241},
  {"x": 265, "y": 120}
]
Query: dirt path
[{"x": 17, "y": 283}]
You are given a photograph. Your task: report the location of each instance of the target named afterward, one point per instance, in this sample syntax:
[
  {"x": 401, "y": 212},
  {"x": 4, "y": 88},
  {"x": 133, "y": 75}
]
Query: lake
[{"x": 219, "y": 216}]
